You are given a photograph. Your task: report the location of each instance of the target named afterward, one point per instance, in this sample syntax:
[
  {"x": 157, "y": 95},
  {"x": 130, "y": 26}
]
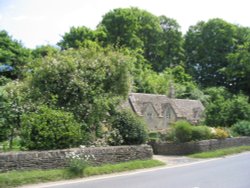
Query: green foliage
[
  {"x": 120, "y": 167},
  {"x": 219, "y": 133},
  {"x": 11, "y": 108},
  {"x": 4, "y": 80},
  {"x": 241, "y": 128},
  {"x": 47, "y": 129},
  {"x": 170, "y": 135},
  {"x": 183, "y": 131},
  {"x": 79, "y": 37},
  {"x": 238, "y": 70},
  {"x": 43, "y": 51},
  {"x": 148, "y": 81},
  {"x": 14, "y": 54},
  {"x": 18, "y": 178},
  {"x": 131, "y": 127},
  {"x": 114, "y": 137},
  {"x": 16, "y": 145},
  {"x": 92, "y": 81},
  {"x": 201, "y": 133},
  {"x": 170, "y": 48},
  {"x": 153, "y": 136},
  {"x": 224, "y": 109},
  {"x": 158, "y": 38},
  {"x": 238, "y": 109},
  {"x": 207, "y": 45},
  {"x": 221, "y": 152},
  {"x": 77, "y": 164}
]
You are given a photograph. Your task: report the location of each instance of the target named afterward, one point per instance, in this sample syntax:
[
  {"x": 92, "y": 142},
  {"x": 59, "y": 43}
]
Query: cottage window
[
  {"x": 197, "y": 112},
  {"x": 150, "y": 115},
  {"x": 168, "y": 113}
]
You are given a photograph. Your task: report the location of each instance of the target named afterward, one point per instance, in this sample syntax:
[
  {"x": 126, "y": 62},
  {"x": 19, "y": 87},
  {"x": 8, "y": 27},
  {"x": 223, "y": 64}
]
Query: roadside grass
[
  {"x": 18, "y": 178},
  {"x": 120, "y": 167},
  {"x": 220, "y": 152}
]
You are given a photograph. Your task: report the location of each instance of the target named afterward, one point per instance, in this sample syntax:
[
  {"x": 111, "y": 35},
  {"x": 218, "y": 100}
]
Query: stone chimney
[{"x": 171, "y": 91}]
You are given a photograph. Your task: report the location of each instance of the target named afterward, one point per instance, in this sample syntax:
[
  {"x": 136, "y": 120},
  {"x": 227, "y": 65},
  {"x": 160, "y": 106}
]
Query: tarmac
[{"x": 175, "y": 160}]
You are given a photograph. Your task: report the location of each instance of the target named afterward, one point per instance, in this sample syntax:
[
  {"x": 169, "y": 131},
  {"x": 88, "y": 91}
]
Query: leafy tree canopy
[
  {"x": 14, "y": 54},
  {"x": 207, "y": 45},
  {"x": 86, "y": 82},
  {"x": 225, "y": 109},
  {"x": 44, "y": 50},
  {"x": 238, "y": 70},
  {"x": 81, "y": 37},
  {"x": 158, "y": 37}
]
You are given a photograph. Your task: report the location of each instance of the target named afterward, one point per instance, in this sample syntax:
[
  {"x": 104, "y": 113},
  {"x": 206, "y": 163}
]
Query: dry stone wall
[
  {"x": 201, "y": 146},
  {"x": 58, "y": 158}
]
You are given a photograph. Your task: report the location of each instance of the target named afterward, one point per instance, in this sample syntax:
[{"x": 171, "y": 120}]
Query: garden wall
[
  {"x": 199, "y": 146},
  {"x": 58, "y": 158}
]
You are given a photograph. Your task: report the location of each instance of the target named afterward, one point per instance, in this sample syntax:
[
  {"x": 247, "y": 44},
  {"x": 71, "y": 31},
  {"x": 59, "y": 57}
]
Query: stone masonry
[
  {"x": 199, "y": 146},
  {"x": 58, "y": 158}
]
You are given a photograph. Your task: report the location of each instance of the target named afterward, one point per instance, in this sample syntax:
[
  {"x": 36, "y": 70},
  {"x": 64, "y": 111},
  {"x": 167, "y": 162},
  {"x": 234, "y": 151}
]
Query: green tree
[
  {"x": 47, "y": 128},
  {"x": 131, "y": 128},
  {"x": 86, "y": 82},
  {"x": 183, "y": 131},
  {"x": 207, "y": 45},
  {"x": 149, "y": 81},
  {"x": 225, "y": 109},
  {"x": 44, "y": 50},
  {"x": 158, "y": 38},
  {"x": 170, "y": 48},
  {"x": 81, "y": 37},
  {"x": 14, "y": 54},
  {"x": 238, "y": 70},
  {"x": 11, "y": 109}
]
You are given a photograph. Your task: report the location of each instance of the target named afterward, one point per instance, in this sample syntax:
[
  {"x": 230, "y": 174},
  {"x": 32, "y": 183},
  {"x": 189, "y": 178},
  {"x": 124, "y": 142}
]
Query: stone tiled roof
[{"x": 183, "y": 108}]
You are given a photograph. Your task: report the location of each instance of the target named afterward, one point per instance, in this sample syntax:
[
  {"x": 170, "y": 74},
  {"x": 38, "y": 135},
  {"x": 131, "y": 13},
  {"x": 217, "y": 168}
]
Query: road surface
[{"x": 229, "y": 172}]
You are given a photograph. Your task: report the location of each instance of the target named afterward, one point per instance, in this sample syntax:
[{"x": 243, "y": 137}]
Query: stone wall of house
[
  {"x": 156, "y": 122},
  {"x": 58, "y": 158},
  {"x": 201, "y": 146}
]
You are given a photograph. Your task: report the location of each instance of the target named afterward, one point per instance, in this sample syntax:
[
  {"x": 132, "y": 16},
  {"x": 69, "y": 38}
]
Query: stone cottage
[{"x": 159, "y": 111}]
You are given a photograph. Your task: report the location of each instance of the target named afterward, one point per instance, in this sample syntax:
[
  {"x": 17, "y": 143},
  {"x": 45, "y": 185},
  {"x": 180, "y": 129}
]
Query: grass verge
[
  {"x": 18, "y": 178},
  {"x": 221, "y": 152}
]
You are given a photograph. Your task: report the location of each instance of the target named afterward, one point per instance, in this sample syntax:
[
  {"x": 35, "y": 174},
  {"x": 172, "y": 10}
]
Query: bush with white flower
[{"x": 78, "y": 162}]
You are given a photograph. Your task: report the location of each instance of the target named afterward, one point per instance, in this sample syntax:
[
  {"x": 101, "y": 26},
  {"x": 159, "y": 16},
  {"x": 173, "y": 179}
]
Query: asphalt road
[{"x": 229, "y": 172}]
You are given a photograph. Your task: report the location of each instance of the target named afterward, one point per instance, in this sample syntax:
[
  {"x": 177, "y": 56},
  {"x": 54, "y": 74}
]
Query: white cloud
[
  {"x": 19, "y": 18},
  {"x": 42, "y": 21}
]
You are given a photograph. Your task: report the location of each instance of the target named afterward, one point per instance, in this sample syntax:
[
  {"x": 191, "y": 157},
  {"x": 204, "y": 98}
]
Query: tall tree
[
  {"x": 81, "y": 37},
  {"x": 86, "y": 82},
  {"x": 158, "y": 38},
  {"x": 12, "y": 53},
  {"x": 207, "y": 46},
  {"x": 238, "y": 71},
  {"x": 170, "y": 50},
  {"x": 44, "y": 50}
]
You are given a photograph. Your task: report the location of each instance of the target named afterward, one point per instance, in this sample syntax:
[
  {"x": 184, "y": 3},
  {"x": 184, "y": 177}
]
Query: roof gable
[{"x": 183, "y": 108}]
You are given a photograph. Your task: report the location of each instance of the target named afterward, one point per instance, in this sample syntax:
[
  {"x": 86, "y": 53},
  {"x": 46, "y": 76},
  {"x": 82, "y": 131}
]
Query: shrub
[
  {"x": 183, "y": 131},
  {"x": 153, "y": 136},
  {"x": 78, "y": 163},
  {"x": 50, "y": 129},
  {"x": 114, "y": 137},
  {"x": 131, "y": 127},
  {"x": 242, "y": 128},
  {"x": 219, "y": 133},
  {"x": 200, "y": 133},
  {"x": 110, "y": 138},
  {"x": 170, "y": 135}
]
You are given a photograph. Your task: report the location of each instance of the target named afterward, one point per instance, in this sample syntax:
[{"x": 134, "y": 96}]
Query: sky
[{"x": 42, "y": 22}]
